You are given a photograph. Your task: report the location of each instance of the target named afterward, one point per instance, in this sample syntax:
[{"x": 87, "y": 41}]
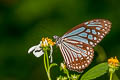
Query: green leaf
[{"x": 95, "y": 72}]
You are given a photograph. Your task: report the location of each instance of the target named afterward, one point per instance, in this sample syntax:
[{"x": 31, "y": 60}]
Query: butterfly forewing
[
  {"x": 90, "y": 32},
  {"x": 77, "y": 55}
]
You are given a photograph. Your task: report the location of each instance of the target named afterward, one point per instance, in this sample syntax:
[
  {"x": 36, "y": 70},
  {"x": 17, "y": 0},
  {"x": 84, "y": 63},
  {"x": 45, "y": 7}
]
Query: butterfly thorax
[{"x": 57, "y": 39}]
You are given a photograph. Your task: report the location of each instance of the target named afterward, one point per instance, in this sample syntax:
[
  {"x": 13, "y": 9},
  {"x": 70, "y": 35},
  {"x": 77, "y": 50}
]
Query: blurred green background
[{"x": 24, "y": 22}]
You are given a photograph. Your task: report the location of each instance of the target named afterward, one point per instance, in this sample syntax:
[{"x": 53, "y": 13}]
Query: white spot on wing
[
  {"x": 87, "y": 48},
  {"x": 95, "y": 38},
  {"x": 91, "y": 43}
]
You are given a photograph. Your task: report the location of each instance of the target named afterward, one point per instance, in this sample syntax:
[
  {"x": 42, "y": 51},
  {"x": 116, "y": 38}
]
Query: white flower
[{"x": 37, "y": 50}]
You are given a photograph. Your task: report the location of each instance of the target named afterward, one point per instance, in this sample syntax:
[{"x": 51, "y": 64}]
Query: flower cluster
[
  {"x": 113, "y": 62},
  {"x": 45, "y": 44},
  {"x": 113, "y": 65},
  {"x": 65, "y": 71}
]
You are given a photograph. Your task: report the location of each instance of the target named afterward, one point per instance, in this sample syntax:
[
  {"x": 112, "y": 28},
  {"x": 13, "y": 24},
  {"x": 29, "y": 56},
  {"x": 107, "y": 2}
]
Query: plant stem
[
  {"x": 47, "y": 59},
  {"x": 111, "y": 76},
  {"x": 46, "y": 63},
  {"x": 67, "y": 73},
  {"x": 48, "y": 75}
]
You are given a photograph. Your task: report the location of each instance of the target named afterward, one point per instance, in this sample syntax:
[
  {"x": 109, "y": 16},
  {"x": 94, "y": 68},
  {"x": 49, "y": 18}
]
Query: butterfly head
[{"x": 57, "y": 39}]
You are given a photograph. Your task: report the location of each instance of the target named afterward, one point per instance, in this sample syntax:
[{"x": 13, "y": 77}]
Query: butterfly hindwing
[
  {"x": 77, "y": 55},
  {"x": 90, "y": 32}
]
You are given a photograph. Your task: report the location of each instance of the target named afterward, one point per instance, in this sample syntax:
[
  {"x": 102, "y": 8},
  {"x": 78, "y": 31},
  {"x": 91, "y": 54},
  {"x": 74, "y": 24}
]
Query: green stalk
[
  {"x": 48, "y": 66},
  {"x": 47, "y": 58},
  {"x": 111, "y": 75},
  {"x": 67, "y": 73},
  {"x": 45, "y": 63}
]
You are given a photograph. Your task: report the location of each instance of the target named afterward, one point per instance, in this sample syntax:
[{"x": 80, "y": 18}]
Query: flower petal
[
  {"x": 31, "y": 49},
  {"x": 38, "y": 54},
  {"x": 40, "y": 42},
  {"x": 51, "y": 51}
]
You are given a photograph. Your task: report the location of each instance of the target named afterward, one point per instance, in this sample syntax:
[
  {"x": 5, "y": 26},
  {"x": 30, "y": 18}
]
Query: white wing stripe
[
  {"x": 66, "y": 57},
  {"x": 69, "y": 52},
  {"x": 63, "y": 53},
  {"x": 80, "y": 51},
  {"x": 76, "y": 49},
  {"x": 84, "y": 54},
  {"x": 72, "y": 47}
]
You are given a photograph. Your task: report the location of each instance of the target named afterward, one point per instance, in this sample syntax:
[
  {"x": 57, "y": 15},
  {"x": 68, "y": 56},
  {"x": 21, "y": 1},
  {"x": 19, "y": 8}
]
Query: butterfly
[{"x": 77, "y": 44}]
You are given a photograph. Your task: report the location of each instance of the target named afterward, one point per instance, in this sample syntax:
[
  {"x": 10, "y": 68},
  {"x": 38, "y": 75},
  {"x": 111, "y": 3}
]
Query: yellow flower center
[
  {"x": 46, "y": 42},
  {"x": 113, "y": 61}
]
